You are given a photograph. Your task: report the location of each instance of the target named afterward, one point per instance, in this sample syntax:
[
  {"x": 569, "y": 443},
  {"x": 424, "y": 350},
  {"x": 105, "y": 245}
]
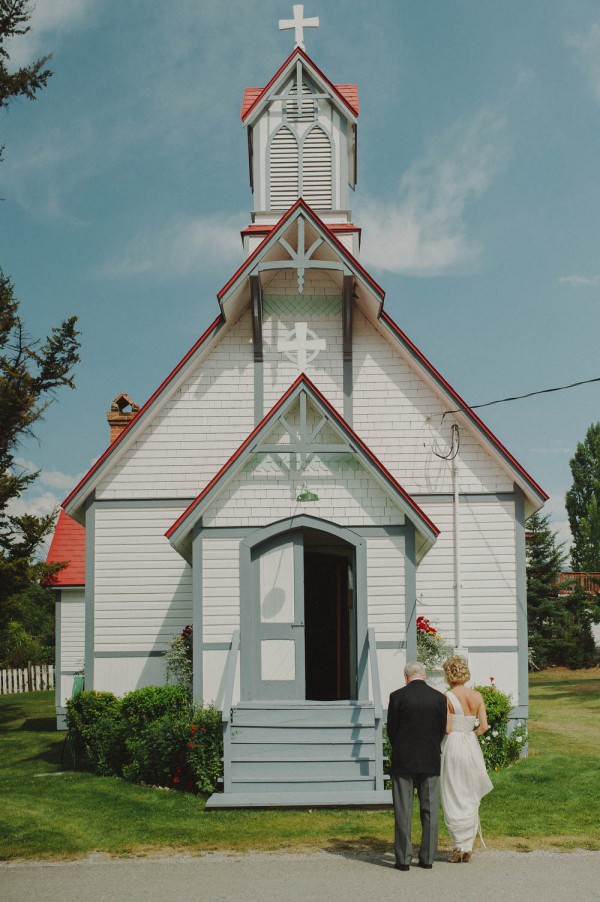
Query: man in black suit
[{"x": 416, "y": 724}]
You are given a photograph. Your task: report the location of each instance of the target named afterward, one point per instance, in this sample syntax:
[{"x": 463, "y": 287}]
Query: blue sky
[{"x": 125, "y": 186}]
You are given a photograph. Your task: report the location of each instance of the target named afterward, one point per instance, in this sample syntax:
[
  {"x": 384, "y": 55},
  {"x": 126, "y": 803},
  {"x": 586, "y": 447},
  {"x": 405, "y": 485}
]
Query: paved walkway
[{"x": 282, "y": 877}]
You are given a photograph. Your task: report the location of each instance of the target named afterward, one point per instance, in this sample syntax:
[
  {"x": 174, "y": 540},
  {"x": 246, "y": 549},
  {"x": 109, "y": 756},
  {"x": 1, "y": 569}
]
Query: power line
[{"x": 542, "y": 391}]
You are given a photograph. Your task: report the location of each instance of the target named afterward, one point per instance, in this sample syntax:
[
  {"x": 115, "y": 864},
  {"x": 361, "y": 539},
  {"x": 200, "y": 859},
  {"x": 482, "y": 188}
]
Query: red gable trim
[
  {"x": 340, "y": 91},
  {"x": 68, "y": 544},
  {"x": 300, "y": 203},
  {"x": 303, "y": 380},
  {"x": 462, "y": 404},
  {"x": 111, "y": 448}
]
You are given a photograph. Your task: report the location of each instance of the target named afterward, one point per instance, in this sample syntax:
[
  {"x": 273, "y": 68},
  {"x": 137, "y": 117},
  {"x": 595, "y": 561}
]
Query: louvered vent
[
  {"x": 317, "y": 170},
  {"x": 283, "y": 170},
  {"x": 303, "y": 111}
]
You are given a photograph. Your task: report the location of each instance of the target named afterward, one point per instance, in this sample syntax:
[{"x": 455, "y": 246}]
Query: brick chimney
[{"x": 118, "y": 416}]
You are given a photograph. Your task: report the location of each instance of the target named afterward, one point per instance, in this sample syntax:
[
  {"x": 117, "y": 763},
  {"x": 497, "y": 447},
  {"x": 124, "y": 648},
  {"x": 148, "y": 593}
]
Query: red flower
[
  {"x": 176, "y": 779},
  {"x": 492, "y": 679},
  {"x": 193, "y": 730},
  {"x": 178, "y": 769},
  {"x": 203, "y": 729},
  {"x": 190, "y": 745}
]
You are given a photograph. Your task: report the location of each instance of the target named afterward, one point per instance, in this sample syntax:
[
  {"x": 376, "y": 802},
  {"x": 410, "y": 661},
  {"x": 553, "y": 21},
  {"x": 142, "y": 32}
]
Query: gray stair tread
[{"x": 345, "y": 799}]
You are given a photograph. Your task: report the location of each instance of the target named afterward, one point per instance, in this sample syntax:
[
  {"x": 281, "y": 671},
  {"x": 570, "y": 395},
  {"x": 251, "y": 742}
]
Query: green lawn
[{"x": 549, "y": 800}]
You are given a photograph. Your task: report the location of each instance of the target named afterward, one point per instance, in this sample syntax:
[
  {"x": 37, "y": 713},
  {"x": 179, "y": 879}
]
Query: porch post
[
  {"x": 197, "y": 640},
  {"x": 410, "y": 588}
]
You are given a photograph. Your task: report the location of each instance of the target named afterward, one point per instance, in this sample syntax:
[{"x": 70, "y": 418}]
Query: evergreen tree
[
  {"x": 30, "y": 372},
  {"x": 583, "y": 501},
  {"x": 559, "y": 625}
]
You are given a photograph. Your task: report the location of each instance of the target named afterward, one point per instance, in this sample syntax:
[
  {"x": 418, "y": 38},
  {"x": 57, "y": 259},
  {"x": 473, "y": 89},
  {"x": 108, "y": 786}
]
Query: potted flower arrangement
[{"x": 431, "y": 651}]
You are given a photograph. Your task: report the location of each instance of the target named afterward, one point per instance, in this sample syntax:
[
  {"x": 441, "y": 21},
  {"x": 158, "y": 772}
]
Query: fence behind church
[{"x": 26, "y": 679}]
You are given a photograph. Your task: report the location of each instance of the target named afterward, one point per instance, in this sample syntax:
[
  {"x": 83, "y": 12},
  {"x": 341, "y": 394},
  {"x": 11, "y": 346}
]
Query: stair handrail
[
  {"x": 374, "y": 672},
  {"x": 376, "y": 689},
  {"x": 230, "y": 669}
]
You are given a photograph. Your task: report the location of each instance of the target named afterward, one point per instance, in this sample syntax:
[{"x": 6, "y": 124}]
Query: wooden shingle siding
[
  {"x": 284, "y": 170},
  {"x": 142, "y": 587},
  {"x": 317, "y": 170},
  {"x": 220, "y": 588},
  {"x": 400, "y": 419},
  {"x": 202, "y": 425}
]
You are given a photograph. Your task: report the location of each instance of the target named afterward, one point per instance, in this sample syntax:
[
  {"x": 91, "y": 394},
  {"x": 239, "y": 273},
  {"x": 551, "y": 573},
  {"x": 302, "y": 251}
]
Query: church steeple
[{"x": 301, "y": 140}]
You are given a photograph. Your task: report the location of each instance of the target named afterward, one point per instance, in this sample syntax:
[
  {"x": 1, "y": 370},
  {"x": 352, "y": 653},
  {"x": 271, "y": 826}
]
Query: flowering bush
[
  {"x": 500, "y": 748},
  {"x": 431, "y": 648},
  {"x": 152, "y": 736},
  {"x": 179, "y": 660}
]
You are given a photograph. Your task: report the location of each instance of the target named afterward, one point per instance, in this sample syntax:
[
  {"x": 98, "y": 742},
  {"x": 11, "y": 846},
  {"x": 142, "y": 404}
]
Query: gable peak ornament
[
  {"x": 301, "y": 345},
  {"x": 299, "y": 23}
]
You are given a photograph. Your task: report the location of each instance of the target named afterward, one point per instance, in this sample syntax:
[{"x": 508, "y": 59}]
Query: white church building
[{"x": 300, "y": 488}]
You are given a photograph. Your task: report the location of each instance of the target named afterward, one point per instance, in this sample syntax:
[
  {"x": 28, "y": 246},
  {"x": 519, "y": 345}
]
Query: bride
[{"x": 464, "y": 779}]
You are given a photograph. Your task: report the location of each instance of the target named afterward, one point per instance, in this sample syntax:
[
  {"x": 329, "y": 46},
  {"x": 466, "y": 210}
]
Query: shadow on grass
[
  {"x": 11, "y": 712},
  {"x": 39, "y": 725}
]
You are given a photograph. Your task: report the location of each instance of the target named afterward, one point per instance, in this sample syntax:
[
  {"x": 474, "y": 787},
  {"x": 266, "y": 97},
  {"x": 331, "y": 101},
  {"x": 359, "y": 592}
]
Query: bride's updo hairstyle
[{"x": 456, "y": 671}]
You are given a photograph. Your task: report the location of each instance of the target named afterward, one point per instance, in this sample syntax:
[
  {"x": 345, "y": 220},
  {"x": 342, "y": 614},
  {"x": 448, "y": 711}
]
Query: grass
[{"x": 548, "y": 800}]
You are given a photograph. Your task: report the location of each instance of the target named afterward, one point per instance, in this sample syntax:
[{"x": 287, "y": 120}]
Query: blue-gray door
[
  {"x": 301, "y": 636},
  {"x": 278, "y": 618}
]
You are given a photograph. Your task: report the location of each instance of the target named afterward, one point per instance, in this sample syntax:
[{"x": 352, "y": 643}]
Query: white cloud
[
  {"x": 184, "y": 246},
  {"x": 587, "y": 46},
  {"x": 39, "y": 499},
  {"x": 424, "y": 230},
  {"x": 49, "y": 20},
  {"x": 581, "y": 281}
]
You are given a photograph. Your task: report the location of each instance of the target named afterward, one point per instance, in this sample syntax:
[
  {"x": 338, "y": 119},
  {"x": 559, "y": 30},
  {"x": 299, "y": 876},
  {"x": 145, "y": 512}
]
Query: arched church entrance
[{"x": 300, "y": 633}]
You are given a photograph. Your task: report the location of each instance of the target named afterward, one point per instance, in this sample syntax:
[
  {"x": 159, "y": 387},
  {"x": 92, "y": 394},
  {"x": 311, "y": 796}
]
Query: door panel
[{"x": 278, "y": 619}]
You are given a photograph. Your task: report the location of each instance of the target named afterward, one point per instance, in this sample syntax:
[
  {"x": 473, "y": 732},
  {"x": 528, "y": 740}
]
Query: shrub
[
  {"x": 84, "y": 711},
  {"x": 152, "y": 736},
  {"x": 150, "y": 703},
  {"x": 500, "y": 746}
]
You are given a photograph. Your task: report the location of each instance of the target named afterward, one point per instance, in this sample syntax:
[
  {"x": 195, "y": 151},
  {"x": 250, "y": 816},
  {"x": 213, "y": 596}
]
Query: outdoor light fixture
[{"x": 306, "y": 495}]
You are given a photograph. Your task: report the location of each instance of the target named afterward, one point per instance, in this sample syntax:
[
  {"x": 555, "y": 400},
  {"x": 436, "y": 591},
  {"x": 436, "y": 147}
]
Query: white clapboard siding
[
  {"x": 146, "y": 613},
  {"x": 283, "y": 170},
  {"x": 402, "y": 420},
  {"x": 317, "y": 170},
  {"x": 304, "y": 110},
  {"x": 488, "y": 573},
  {"x": 197, "y": 431},
  {"x": 385, "y": 586},
  {"x": 72, "y": 631},
  {"x": 220, "y": 588}
]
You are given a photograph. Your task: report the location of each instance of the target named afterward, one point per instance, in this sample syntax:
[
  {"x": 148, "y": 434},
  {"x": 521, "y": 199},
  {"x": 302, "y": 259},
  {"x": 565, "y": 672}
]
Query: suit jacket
[{"x": 416, "y": 725}]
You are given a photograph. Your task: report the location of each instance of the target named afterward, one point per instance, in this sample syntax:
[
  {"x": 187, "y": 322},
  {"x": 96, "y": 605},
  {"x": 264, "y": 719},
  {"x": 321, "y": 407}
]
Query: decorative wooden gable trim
[
  {"x": 345, "y": 97},
  {"x": 300, "y": 241},
  {"x": 303, "y": 443}
]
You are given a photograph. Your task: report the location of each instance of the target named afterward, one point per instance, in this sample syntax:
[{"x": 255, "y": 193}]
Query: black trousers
[{"x": 428, "y": 791}]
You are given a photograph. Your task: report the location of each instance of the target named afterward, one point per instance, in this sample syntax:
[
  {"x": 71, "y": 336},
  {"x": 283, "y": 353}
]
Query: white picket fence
[{"x": 27, "y": 679}]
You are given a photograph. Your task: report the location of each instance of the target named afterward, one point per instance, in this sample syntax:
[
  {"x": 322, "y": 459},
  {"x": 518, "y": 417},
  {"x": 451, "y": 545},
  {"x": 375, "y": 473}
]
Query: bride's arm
[
  {"x": 449, "y": 714},
  {"x": 482, "y": 718}
]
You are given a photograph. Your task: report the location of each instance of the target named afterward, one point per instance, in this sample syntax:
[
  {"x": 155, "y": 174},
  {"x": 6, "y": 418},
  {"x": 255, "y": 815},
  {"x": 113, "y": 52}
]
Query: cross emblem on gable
[
  {"x": 301, "y": 345},
  {"x": 299, "y": 23}
]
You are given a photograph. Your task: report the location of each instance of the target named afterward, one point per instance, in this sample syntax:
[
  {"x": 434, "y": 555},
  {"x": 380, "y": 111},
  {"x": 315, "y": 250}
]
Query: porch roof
[{"x": 179, "y": 534}]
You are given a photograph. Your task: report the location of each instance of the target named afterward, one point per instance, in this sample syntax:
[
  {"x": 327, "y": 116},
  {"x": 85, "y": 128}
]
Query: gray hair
[{"x": 415, "y": 668}]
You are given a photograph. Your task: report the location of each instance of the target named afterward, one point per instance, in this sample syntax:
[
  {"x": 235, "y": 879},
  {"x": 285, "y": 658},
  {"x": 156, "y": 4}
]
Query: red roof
[
  {"x": 348, "y": 94},
  {"x": 68, "y": 544}
]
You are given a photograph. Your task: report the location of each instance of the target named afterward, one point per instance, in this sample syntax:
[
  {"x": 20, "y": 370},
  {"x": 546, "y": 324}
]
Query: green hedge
[{"x": 151, "y": 736}]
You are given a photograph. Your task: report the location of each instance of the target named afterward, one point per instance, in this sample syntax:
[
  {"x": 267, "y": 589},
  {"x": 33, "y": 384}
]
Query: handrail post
[
  {"x": 230, "y": 670},
  {"x": 372, "y": 642}
]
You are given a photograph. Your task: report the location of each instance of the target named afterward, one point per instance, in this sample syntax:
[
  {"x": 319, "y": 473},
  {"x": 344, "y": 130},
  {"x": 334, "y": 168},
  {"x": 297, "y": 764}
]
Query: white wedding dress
[{"x": 464, "y": 779}]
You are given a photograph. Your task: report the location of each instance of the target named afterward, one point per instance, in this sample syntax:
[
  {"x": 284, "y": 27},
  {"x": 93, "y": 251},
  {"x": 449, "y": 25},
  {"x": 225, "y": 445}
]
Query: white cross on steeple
[
  {"x": 299, "y": 23},
  {"x": 301, "y": 345}
]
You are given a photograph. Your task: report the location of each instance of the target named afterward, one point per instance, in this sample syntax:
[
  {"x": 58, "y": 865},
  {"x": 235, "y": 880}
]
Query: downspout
[{"x": 458, "y": 645}]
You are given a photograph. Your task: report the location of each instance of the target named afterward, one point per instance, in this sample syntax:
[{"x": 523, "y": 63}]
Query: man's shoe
[
  {"x": 427, "y": 867},
  {"x": 402, "y": 867}
]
